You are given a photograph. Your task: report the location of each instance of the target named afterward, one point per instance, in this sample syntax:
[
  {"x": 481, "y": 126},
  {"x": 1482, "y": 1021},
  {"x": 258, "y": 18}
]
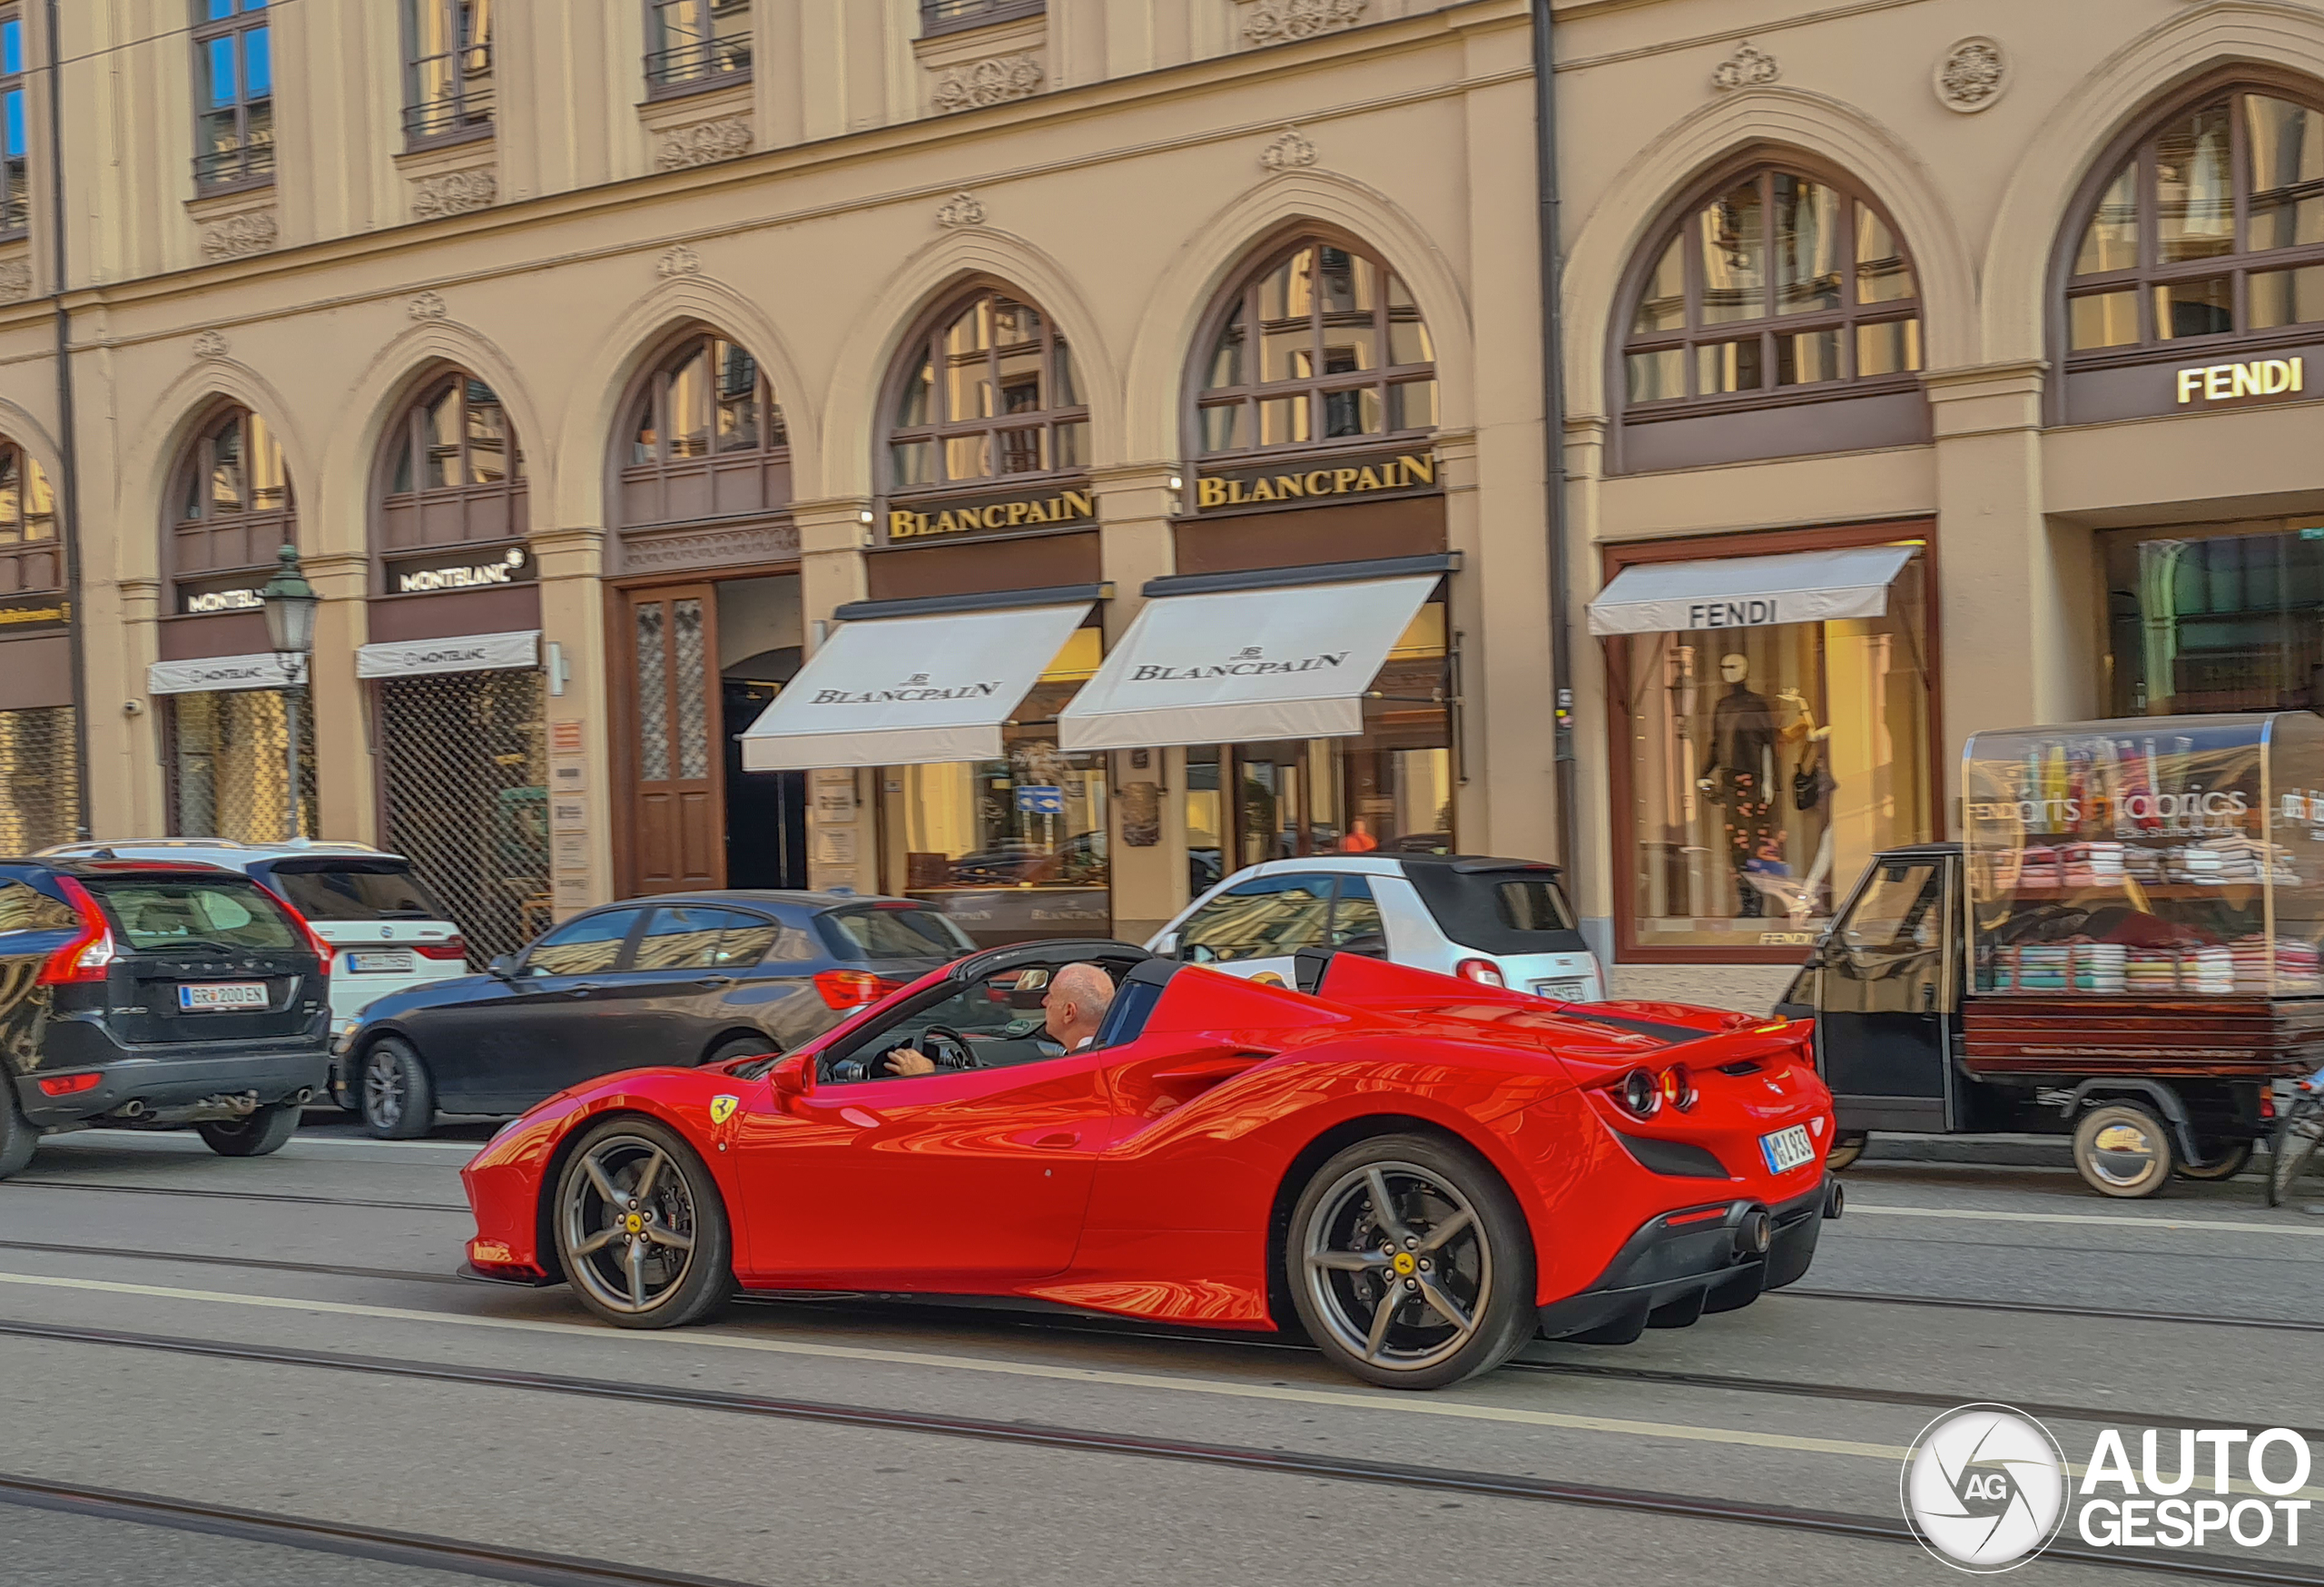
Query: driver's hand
[{"x": 910, "y": 1060}]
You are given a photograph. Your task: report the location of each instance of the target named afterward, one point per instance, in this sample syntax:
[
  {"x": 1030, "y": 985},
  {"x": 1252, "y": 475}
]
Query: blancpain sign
[
  {"x": 510, "y": 567},
  {"x": 1249, "y": 662},
  {"x": 914, "y": 690}
]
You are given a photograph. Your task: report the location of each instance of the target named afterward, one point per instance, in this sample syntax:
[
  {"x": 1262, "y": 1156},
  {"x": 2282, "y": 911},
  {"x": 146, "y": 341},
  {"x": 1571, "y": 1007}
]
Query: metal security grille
[
  {"x": 40, "y": 790},
  {"x": 464, "y": 775},
  {"x": 229, "y": 772}
]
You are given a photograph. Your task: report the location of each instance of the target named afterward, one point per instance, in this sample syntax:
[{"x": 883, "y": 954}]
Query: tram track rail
[
  {"x": 271, "y": 1196},
  {"x": 512, "y": 1565}
]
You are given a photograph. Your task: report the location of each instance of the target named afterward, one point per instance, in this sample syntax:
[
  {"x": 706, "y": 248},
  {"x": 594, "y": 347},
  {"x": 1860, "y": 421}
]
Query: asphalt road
[{"x": 253, "y": 1373}]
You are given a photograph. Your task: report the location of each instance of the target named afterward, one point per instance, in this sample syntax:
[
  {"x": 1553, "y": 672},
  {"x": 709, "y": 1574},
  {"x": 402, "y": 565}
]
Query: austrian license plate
[
  {"x": 1787, "y": 1150},
  {"x": 389, "y": 962},
  {"x": 222, "y": 996},
  {"x": 1563, "y": 992}
]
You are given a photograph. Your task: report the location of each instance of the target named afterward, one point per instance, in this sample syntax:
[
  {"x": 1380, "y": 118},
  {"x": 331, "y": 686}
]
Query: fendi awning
[{"x": 1749, "y": 592}]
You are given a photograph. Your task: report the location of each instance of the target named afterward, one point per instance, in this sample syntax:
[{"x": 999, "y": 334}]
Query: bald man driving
[{"x": 1072, "y": 1013}]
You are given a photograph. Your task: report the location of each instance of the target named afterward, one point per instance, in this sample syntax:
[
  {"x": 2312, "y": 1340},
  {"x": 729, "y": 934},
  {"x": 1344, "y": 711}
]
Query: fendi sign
[
  {"x": 1376, "y": 474},
  {"x": 2251, "y": 378},
  {"x": 2158, "y": 383},
  {"x": 991, "y": 515}
]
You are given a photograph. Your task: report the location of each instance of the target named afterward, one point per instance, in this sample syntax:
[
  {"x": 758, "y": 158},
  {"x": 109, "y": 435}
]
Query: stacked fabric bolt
[
  {"x": 2091, "y": 864},
  {"x": 2100, "y": 967},
  {"x": 2044, "y": 967},
  {"x": 2207, "y": 972},
  {"x": 2151, "y": 971},
  {"x": 2252, "y": 957},
  {"x": 2037, "y": 868},
  {"x": 2142, "y": 864},
  {"x": 2298, "y": 966}
]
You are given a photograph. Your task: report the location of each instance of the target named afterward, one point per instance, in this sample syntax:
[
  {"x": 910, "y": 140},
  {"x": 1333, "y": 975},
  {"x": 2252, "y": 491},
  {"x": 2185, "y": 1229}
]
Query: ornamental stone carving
[
  {"x": 239, "y": 236},
  {"x": 16, "y": 282},
  {"x": 1293, "y": 150},
  {"x": 679, "y": 260},
  {"x": 1274, "y": 22},
  {"x": 1972, "y": 75},
  {"x": 962, "y": 209},
  {"x": 427, "y": 306},
  {"x": 1748, "y": 67},
  {"x": 703, "y": 143},
  {"x": 986, "y": 82},
  {"x": 456, "y": 193},
  {"x": 210, "y": 346}
]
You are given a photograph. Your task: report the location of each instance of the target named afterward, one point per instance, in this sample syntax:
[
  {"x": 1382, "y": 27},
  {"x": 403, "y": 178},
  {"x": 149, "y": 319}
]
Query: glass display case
[{"x": 2153, "y": 857}]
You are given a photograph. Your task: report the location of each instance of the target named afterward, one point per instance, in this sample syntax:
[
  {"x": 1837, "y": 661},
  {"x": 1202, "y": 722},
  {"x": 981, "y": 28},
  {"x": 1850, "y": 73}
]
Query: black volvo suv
[{"x": 142, "y": 995}]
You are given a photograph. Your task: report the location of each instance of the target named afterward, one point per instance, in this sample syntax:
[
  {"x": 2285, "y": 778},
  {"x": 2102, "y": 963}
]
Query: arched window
[
  {"x": 989, "y": 390},
  {"x": 232, "y": 509},
  {"x": 30, "y": 558},
  {"x": 1321, "y": 343},
  {"x": 704, "y": 438},
  {"x": 453, "y": 473},
  {"x": 2211, "y": 225},
  {"x": 1773, "y": 282}
]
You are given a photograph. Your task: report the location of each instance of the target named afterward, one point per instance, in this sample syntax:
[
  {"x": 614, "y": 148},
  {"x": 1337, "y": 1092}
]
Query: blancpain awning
[
  {"x": 1241, "y": 666},
  {"x": 1749, "y": 592},
  {"x": 411, "y": 658},
  {"x": 910, "y": 691},
  {"x": 216, "y": 674}
]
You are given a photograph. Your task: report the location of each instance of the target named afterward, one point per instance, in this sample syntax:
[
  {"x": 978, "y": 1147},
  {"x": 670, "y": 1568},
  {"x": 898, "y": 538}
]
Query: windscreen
[
  {"x": 887, "y": 931},
  {"x": 356, "y": 894},
  {"x": 1511, "y": 909},
  {"x": 155, "y": 916}
]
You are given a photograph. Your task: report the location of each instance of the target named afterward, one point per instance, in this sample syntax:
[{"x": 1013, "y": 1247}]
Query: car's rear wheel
[
  {"x": 17, "y": 1136},
  {"x": 2123, "y": 1149},
  {"x": 641, "y": 1229},
  {"x": 1846, "y": 1147},
  {"x": 2227, "y": 1159},
  {"x": 256, "y": 1134},
  {"x": 1410, "y": 1264},
  {"x": 735, "y": 1047},
  {"x": 398, "y": 1098}
]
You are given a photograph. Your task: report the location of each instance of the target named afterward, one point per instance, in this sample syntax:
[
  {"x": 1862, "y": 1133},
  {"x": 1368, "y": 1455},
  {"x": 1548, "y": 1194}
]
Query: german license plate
[
  {"x": 222, "y": 996},
  {"x": 389, "y": 962},
  {"x": 1563, "y": 992},
  {"x": 1787, "y": 1150}
]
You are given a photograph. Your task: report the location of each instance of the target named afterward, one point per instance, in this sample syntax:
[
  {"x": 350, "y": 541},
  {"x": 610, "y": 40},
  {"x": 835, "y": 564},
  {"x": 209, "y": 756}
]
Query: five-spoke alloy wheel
[
  {"x": 641, "y": 1229},
  {"x": 1410, "y": 1264}
]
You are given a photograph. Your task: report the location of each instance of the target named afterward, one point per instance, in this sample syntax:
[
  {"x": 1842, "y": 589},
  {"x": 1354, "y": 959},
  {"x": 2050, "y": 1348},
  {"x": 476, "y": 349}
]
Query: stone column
[
  {"x": 127, "y": 797},
  {"x": 842, "y": 806},
  {"x": 346, "y": 776},
  {"x": 573, "y": 618},
  {"x": 2020, "y": 604},
  {"x": 1135, "y": 504}
]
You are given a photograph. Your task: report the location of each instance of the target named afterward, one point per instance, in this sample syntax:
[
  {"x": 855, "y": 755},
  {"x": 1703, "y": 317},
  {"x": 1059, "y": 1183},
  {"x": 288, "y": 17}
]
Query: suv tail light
[
  {"x": 454, "y": 947},
  {"x": 322, "y": 950},
  {"x": 853, "y": 989},
  {"x": 1483, "y": 971},
  {"x": 71, "y": 1085},
  {"x": 86, "y": 959}
]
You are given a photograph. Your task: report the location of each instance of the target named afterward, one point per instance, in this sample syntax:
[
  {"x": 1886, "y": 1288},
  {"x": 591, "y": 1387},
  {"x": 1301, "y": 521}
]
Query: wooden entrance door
[{"x": 677, "y": 808}]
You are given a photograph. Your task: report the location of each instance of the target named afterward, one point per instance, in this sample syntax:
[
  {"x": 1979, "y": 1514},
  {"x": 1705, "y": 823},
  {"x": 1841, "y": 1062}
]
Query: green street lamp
[{"x": 289, "y": 603}]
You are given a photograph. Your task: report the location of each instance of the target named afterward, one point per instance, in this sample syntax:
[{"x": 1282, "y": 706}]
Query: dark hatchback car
[
  {"x": 141, "y": 994},
  {"x": 676, "y": 979}
]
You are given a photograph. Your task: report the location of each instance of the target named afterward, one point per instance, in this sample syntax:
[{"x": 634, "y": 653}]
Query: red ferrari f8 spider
[{"x": 1419, "y": 1172}]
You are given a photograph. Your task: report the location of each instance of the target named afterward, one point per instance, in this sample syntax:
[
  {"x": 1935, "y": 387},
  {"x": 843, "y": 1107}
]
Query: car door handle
[
  {"x": 713, "y": 982},
  {"x": 583, "y": 988}
]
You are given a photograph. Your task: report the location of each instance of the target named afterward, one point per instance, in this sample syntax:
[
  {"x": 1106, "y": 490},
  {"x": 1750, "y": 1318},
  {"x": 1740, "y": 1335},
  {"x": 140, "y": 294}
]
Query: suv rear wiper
[{"x": 183, "y": 946}]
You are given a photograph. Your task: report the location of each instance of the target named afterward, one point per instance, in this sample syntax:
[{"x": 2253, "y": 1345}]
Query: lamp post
[{"x": 289, "y": 603}]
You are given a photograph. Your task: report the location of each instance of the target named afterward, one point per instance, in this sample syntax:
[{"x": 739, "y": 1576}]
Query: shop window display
[
  {"x": 1767, "y": 764},
  {"x": 2174, "y": 857},
  {"x": 1013, "y": 849}
]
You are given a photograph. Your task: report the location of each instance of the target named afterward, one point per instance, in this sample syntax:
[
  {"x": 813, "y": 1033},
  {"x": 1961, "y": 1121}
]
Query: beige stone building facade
[{"x": 1927, "y": 366}]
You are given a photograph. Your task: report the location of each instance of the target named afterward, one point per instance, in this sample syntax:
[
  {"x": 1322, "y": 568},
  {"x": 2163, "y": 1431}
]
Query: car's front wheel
[
  {"x": 641, "y": 1229},
  {"x": 1409, "y": 1262},
  {"x": 2123, "y": 1149},
  {"x": 393, "y": 1089},
  {"x": 256, "y": 1134}
]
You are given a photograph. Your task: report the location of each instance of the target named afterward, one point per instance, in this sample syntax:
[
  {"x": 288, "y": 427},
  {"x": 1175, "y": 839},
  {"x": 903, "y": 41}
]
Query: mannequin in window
[
  {"x": 1739, "y": 774},
  {"x": 1811, "y": 795}
]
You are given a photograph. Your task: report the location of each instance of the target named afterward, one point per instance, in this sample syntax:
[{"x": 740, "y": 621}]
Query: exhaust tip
[
  {"x": 1756, "y": 1232},
  {"x": 305, "y": 1095},
  {"x": 133, "y": 1108},
  {"x": 1835, "y": 1200}
]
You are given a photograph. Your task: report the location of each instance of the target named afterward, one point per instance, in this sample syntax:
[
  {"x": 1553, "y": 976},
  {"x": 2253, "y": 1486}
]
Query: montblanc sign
[
  {"x": 438, "y": 576},
  {"x": 221, "y": 600},
  {"x": 409, "y": 658},
  {"x": 221, "y": 674}
]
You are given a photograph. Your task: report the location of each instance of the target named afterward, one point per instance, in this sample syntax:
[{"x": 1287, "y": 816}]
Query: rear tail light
[
  {"x": 450, "y": 948},
  {"x": 69, "y": 1085},
  {"x": 86, "y": 958},
  {"x": 1678, "y": 1087},
  {"x": 1483, "y": 971},
  {"x": 1641, "y": 1093},
  {"x": 853, "y": 989}
]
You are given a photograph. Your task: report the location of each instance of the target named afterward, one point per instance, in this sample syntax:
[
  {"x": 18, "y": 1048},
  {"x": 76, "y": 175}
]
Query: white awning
[
  {"x": 217, "y": 674},
  {"x": 410, "y": 658},
  {"x": 1749, "y": 592},
  {"x": 1243, "y": 667},
  {"x": 910, "y": 691}
]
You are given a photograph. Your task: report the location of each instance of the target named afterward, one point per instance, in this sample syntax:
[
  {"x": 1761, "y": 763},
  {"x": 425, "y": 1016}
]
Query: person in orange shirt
[{"x": 1356, "y": 840}]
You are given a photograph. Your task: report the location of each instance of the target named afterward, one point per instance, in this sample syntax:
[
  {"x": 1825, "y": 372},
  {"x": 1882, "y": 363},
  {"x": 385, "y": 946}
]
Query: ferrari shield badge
[{"x": 722, "y": 1109}]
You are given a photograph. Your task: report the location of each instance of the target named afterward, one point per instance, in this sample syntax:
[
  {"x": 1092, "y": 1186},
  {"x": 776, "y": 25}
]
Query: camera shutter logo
[{"x": 1984, "y": 1488}]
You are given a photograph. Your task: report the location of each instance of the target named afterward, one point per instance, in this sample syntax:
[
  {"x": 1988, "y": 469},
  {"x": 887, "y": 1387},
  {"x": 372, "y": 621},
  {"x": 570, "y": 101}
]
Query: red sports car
[{"x": 1419, "y": 1172}]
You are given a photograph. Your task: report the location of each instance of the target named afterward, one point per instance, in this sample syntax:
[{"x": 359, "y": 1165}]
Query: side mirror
[
  {"x": 1166, "y": 946},
  {"x": 790, "y": 1078},
  {"x": 503, "y": 967}
]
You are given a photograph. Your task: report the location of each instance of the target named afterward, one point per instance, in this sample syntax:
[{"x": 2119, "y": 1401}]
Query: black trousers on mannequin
[{"x": 1750, "y": 820}]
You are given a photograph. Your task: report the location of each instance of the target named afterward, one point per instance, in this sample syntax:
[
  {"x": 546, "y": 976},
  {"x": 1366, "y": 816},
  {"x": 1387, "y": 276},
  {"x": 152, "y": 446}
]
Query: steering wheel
[{"x": 946, "y": 1048}]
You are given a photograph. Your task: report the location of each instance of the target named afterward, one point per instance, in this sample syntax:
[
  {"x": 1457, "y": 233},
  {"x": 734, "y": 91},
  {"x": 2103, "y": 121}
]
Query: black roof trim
[
  {"x": 1185, "y": 584},
  {"x": 1481, "y": 865},
  {"x": 995, "y": 600}
]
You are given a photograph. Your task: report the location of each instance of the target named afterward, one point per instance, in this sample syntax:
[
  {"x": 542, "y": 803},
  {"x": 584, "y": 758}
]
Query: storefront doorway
[{"x": 704, "y": 660}]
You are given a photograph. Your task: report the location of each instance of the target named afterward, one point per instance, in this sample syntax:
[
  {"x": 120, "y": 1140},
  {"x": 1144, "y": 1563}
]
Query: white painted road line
[{"x": 1856, "y": 1203}]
